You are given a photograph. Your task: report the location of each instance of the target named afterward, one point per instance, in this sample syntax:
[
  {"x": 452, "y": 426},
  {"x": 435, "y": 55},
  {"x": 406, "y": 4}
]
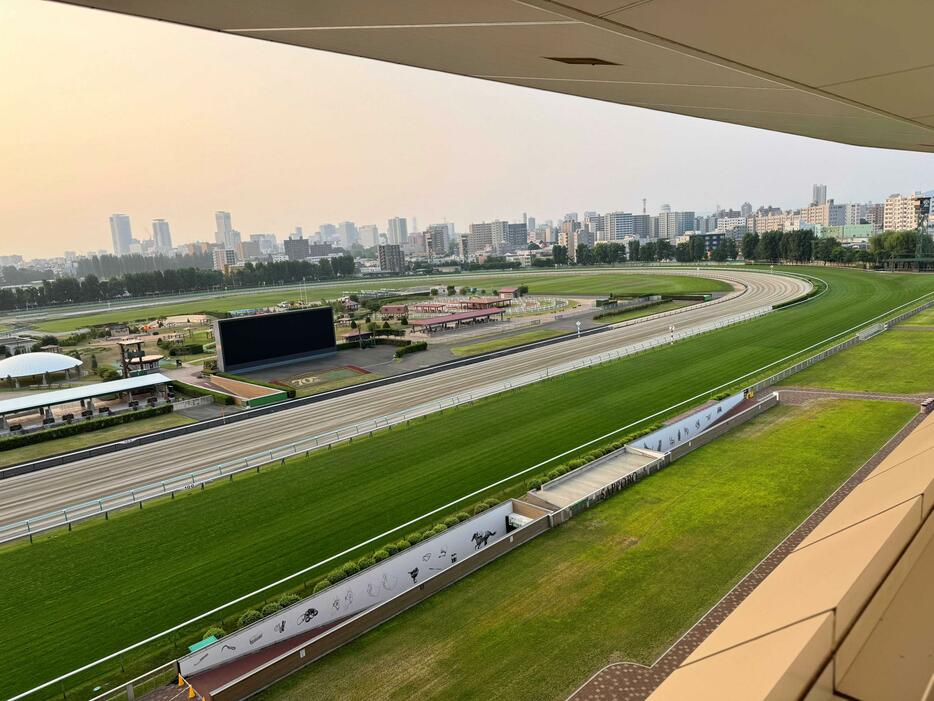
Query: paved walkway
[
  {"x": 627, "y": 681},
  {"x": 802, "y": 395}
]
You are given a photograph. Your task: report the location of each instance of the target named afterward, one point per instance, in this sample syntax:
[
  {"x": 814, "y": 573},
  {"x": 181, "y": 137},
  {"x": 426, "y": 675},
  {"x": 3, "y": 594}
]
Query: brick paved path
[
  {"x": 802, "y": 395},
  {"x": 626, "y": 681}
]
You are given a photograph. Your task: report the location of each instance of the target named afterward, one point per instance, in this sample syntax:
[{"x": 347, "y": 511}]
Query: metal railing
[
  {"x": 70, "y": 515},
  {"x": 142, "y": 684}
]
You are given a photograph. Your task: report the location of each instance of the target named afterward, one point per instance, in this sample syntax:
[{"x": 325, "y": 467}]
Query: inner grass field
[
  {"x": 74, "y": 597},
  {"x": 645, "y": 311},
  {"x": 600, "y": 282},
  {"x": 508, "y": 342},
  {"x": 899, "y": 361},
  {"x": 622, "y": 581}
]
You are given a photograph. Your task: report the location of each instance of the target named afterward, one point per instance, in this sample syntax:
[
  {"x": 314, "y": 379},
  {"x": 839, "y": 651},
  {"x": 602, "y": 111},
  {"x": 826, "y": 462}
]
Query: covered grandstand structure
[
  {"x": 18, "y": 367},
  {"x": 439, "y": 323},
  {"x": 44, "y": 409}
]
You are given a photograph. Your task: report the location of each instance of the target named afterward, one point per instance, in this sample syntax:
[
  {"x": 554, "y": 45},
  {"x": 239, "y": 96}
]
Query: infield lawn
[
  {"x": 620, "y": 582},
  {"x": 112, "y": 583},
  {"x": 508, "y": 342},
  {"x": 597, "y": 282},
  {"x": 899, "y": 361}
]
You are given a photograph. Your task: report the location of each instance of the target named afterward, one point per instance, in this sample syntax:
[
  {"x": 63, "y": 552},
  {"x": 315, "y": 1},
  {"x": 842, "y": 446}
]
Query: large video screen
[{"x": 270, "y": 338}]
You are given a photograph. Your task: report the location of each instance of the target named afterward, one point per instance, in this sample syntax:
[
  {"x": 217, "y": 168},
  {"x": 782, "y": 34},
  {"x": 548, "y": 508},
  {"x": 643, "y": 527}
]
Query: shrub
[
  {"x": 577, "y": 462},
  {"x": 81, "y": 427},
  {"x": 450, "y": 521},
  {"x": 365, "y": 562},
  {"x": 480, "y": 508},
  {"x": 414, "y": 538},
  {"x": 334, "y": 576},
  {"x": 438, "y": 528},
  {"x": 323, "y": 584},
  {"x": 270, "y": 608},
  {"x": 287, "y": 600},
  {"x": 411, "y": 348},
  {"x": 350, "y": 568},
  {"x": 403, "y": 544},
  {"x": 186, "y": 349},
  {"x": 251, "y": 616},
  {"x": 491, "y": 502},
  {"x": 216, "y": 631},
  {"x": 534, "y": 484},
  {"x": 390, "y": 549},
  {"x": 553, "y": 475},
  {"x": 461, "y": 515},
  {"x": 380, "y": 555}
]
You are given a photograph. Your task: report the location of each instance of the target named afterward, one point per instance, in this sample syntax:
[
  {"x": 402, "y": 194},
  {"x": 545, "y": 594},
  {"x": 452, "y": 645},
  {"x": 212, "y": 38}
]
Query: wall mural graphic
[
  {"x": 373, "y": 586},
  {"x": 670, "y": 437}
]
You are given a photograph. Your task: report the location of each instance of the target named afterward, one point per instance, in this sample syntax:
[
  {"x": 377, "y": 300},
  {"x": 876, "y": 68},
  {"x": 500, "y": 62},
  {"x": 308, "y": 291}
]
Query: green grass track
[{"x": 75, "y": 597}]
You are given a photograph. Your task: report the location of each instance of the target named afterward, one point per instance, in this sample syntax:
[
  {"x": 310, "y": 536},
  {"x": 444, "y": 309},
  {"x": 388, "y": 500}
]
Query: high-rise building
[
  {"x": 249, "y": 250},
  {"x": 161, "y": 236},
  {"x": 120, "y": 234},
  {"x": 327, "y": 232},
  {"x": 825, "y": 214},
  {"x": 642, "y": 226},
  {"x": 296, "y": 249},
  {"x": 487, "y": 235},
  {"x": 398, "y": 231},
  {"x": 570, "y": 216},
  {"x": 616, "y": 225},
  {"x": 224, "y": 233},
  {"x": 819, "y": 194},
  {"x": 436, "y": 239},
  {"x": 901, "y": 213},
  {"x": 517, "y": 236},
  {"x": 530, "y": 224},
  {"x": 595, "y": 223},
  {"x": 875, "y": 215},
  {"x": 746, "y": 209},
  {"x": 391, "y": 258},
  {"x": 671, "y": 225},
  {"x": 347, "y": 231},
  {"x": 369, "y": 235},
  {"x": 267, "y": 243},
  {"x": 224, "y": 258},
  {"x": 665, "y": 208}
]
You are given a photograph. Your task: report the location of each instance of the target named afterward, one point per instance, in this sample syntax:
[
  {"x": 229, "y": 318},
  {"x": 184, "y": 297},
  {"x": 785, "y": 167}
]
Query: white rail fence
[{"x": 76, "y": 513}]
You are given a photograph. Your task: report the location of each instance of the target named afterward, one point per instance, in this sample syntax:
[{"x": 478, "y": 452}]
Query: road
[{"x": 38, "y": 493}]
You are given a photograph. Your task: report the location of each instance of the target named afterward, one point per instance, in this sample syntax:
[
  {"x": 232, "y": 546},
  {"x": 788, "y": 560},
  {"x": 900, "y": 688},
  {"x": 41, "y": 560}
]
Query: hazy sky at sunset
[{"x": 103, "y": 113}]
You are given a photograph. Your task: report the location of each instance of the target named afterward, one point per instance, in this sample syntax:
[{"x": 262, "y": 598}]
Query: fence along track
[{"x": 76, "y": 513}]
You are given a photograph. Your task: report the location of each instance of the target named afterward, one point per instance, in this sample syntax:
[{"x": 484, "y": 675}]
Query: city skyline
[{"x": 284, "y": 137}]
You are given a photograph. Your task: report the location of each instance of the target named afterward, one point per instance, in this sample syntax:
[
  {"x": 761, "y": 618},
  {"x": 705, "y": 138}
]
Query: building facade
[
  {"x": 391, "y": 258},
  {"x": 120, "y": 233}
]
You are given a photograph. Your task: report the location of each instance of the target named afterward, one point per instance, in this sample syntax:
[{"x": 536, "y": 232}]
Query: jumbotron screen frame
[{"x": 267, "y": 340}]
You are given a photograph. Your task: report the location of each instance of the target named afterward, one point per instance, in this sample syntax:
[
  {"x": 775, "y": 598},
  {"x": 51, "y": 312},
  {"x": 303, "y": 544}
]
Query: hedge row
[
  {"x": 81, "y": 427},
  {"x": 186, "y": 349},
  {"x": 616, "y": 311},
  {"x": 411, "y": 348},
  {"x": 195, "y": 391},
  {"x": 352, "y": 567},
  {"x": 564, "y": 468},
  {"x": 249, "y": 380}
]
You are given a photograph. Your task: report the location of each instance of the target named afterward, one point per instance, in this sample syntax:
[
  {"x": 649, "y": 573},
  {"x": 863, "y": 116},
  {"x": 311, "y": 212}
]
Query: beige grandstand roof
[
  {"x": 854, "y": 72},
  {"x": 29, "y": 364}
]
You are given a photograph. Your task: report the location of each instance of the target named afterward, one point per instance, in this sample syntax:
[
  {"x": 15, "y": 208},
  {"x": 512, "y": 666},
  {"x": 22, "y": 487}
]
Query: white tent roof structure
[
  {"x": 76, "y": 394},
  {"x": 29, "y": 364}
]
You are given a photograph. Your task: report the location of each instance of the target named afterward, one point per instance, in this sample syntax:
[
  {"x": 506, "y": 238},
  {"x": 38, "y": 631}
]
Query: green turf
[
  {"x": 85, "y": 440},
  {"x": 925, "y": 318},
  {"x": 112, "y": 583},
  {"x": 508, "y": 342},
  {"x": 603, "y": 282},
  {"x": 897, "y": 361},
  {"x": 645, "y": 311},
  {"x": 618, "y": 583}
]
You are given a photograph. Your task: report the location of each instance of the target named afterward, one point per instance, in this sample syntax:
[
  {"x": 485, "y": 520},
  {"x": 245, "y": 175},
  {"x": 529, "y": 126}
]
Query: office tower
[
  {"x": 249, "y": 250},
  {"x": 530, "y": 225},
  {"x": 595, "y": 223},
  {"x": 347, "y": 232},
  {"x": 436, "y": 239},
  {"x": 327, "y": 232},
  {"x": 570, "y": 216},
  {"x": 517, "y": 236},
  {"x": 120, "y": 234},
  {"x": 369, "y": 235},
  {"x": 616, "y": 225},
  {"x": 671, "y": 225},
  {"x": 826, "y": 214},
  {"x": 397, "y": 231},
  {"x": 223, "y": 229},
  {"x": 819, "y": 194},
  {"x": 161, "y": 236},
  {"x": 875, "y": 215},
  {"x": 296, "y": 249},
  {"x": 665, "y": 208},
  {"x": 267, "y": 243},
  {"x": 746, "y": 210},
  {"x": 642, "y": 226},
  {"x": 391, "y": 259},
  {"x": 298, "y": 233}
]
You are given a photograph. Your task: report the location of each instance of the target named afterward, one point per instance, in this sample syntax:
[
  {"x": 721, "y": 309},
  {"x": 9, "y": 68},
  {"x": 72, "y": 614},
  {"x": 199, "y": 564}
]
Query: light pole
[
  {"x": 578, "y": 329},
  {"x": 671, "y": 330}
]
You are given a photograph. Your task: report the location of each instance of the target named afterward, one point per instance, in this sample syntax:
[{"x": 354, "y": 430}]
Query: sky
[{"x": 105, "y": 113}]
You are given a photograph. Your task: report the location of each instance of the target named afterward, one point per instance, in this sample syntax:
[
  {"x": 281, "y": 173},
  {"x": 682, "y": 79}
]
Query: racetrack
[{"x": 54, "y": 488}]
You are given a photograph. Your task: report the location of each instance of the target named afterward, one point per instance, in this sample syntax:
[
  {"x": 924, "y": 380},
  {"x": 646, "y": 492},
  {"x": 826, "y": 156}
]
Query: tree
[
  {"x": 634, "y": 250},
  {"x": 560, "y": 254},
  {"x": 663, "y": 249},
  {"x": 749, "y": 245},
  {"x": 580, "y": 254},
  {"x": 698, "y": 248},
  {"x": 726, "y": 250},
  {"x": 769, "y": 246},
  {"x": 683, "y": 252},
  {"x": 93, "y": 361}
]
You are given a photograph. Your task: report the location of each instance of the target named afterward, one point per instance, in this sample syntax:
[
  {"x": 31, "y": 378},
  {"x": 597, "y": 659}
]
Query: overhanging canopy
[
  {"x": 76, "y": 394},
  {"x": 857, "y": 72}
]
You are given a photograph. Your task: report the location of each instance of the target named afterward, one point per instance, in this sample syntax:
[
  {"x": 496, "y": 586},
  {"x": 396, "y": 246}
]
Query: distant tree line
[
  {"x": 802, "y": 247},
  {"x": 91, "y": 288},
  {"x": 110, "y": 266}
]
